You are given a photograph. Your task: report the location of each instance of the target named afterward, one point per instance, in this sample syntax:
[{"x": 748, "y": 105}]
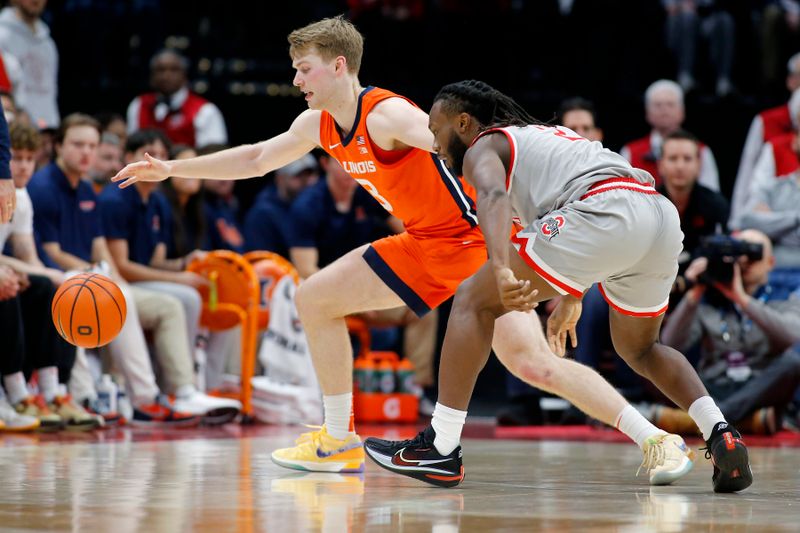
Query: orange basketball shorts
[{"x": 424, "y": 272}]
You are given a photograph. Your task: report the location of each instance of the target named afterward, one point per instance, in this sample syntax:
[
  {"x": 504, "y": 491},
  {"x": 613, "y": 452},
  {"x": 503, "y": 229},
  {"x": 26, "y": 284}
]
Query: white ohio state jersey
[{"x": 551, "y": 166}]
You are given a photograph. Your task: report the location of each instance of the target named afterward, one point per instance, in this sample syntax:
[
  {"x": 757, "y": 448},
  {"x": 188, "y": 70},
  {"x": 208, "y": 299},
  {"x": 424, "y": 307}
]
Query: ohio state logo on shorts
[{"x": 551, "y": 226}]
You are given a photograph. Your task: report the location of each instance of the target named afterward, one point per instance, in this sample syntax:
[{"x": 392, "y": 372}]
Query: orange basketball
[{"x": 89, "y": 310}]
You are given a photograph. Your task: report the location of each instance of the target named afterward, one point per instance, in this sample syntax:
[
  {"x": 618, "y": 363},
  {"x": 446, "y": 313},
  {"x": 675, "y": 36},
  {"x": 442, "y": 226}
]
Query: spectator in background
[
  {"x": 665, "y": 112},
  {"x": 188, "y": 214},
  {"x": 187, "y": 235},
  {"x": 222, "y": 211},
  {"x": 135, "y": 223},
  {"x": 578, "y": 114},
  {"x": 68, "y": 229},
  {"x": 766, "y": 126},
  {"x": 689, "y": 19},
  {"x": 184, "y": 116},
  {"x": 114, "y": 123},
  {"x": 702, "y": 211},
  {"x": 47, "y": 152},
  {"x": 12, "y": 327},
  {"x": 10, "y": 73},
  {"x": 268, "y": 224},
  {"x": 745, "y": 332},
  {"x": 11, "y": 112},
  {"x": 107, "y": 162},
  {"x": 35, "y": 344},
  {"x": 19, "y": 232},
  {"x": 780, "y": 37},
  {"x": 26, "y": 37},
  {"x": 774, "y": 203}
]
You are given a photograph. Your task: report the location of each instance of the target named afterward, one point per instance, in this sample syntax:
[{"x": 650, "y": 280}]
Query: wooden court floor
[{"x": 171, "y": 483}]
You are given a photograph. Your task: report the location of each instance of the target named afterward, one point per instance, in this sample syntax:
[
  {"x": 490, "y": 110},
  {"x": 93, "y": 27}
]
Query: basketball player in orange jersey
[{"x": 383, "y": 141}]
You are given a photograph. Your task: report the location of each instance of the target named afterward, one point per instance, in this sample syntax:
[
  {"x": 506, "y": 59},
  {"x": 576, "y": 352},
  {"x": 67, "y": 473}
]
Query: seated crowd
[{"x": 735, "y": 305}]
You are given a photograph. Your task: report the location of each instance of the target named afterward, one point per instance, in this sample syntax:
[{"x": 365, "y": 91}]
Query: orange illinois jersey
[{"x": 411, "y": 184}]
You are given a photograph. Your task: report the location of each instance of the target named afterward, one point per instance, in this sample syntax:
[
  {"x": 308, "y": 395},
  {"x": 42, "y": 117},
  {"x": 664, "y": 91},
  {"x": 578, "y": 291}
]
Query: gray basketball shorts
[{"x": 626, "y": 239}]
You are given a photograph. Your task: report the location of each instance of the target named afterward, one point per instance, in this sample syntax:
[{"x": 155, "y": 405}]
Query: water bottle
[
  {"x": 124, "y": 406},
  {"x": 107, "y": 395},
  {"x": 364, "y": 374},
  {"x": 385, "y": 377},
  {"x": 405, "y": 377}
]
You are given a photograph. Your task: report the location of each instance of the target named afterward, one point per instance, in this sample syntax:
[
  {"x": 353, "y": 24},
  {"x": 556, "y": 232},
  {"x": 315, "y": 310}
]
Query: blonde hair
[
  {"x": 24, "y": 137},
  {"x": 74, "y": 120},
  {"x": 330, "y": 38}
]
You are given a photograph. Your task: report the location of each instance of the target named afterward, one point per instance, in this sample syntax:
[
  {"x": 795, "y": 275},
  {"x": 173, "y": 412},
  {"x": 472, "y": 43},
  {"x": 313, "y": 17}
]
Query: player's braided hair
[{"x": 491, "y": 107}]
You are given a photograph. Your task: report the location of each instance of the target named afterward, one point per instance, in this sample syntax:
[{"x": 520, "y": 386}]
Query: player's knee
[
  {"x": 303, "y": 300},
  {"x": 538, "y": 375},
  {"x": 534, "y": 368},
  {"x": 469, "y": 297},
  {"x": 636, "y": 355}
]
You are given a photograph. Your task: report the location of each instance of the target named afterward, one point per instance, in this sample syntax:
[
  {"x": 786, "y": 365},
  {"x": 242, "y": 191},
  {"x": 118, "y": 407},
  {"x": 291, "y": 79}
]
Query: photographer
[{"x": 745, "y": 330}]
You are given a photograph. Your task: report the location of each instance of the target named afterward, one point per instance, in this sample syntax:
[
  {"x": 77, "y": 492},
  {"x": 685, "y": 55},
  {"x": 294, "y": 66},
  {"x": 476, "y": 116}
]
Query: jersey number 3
[{"x": 373, "y": 190}]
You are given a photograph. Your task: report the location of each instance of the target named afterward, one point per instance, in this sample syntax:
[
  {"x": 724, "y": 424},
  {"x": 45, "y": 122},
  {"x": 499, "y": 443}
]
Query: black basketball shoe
[
  {"x": 728, "y": 453},
  {"x": 417, "y": 458}
]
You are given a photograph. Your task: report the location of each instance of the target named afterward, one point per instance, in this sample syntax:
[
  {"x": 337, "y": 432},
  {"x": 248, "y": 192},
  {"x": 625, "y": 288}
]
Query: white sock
[
  {"x": 635, "y": 426},
  {"x": 15, "y": 387},
  {"x": 48, "y": 382},
  {"x": 184, "y": 391},
  {"x": 706, "y": 415},
  {"x": 447, "y": 423},
  {"x": 337, "y": 414}
]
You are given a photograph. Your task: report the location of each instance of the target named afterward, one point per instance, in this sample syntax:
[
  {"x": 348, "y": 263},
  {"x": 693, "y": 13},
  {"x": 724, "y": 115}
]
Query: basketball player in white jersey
[{"x": 587, "y": 217}]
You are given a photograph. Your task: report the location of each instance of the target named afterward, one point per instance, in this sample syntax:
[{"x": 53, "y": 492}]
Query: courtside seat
[
  {"x": 231, "y": 299},
  {"x": 269, "y": 268}
]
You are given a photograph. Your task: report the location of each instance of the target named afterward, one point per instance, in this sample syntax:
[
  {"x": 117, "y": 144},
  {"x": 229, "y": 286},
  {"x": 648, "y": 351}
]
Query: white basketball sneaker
[{"x": 666, "y": 458}]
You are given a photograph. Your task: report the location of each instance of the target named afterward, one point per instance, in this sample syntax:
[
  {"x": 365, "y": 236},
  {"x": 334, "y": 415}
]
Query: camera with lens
[{"x": 722, "y": 251}]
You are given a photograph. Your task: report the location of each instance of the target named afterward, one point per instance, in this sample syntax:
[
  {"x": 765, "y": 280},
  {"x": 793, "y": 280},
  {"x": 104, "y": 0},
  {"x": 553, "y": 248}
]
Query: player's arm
[
  {"x": 394, "y": 124},
  {"x": 245, "y": 161},
  {"x": 485, "y": 170}
]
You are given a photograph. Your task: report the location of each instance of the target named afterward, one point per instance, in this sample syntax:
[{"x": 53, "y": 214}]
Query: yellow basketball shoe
[
  {"x": 317, "y": 451},
  {"x": 666, "y": 458}
]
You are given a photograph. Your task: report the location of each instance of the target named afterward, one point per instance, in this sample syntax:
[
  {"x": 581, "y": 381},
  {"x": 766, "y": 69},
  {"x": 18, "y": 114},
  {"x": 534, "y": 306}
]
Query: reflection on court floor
[{"x": 228, "y": 483}]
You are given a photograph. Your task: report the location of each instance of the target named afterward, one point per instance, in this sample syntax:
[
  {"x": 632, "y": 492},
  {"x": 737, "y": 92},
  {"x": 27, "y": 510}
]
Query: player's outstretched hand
[
  {"x": 515, "y": 295},
  {"x": 562, "y": 323},
  {"x": 150, "y": 169}
]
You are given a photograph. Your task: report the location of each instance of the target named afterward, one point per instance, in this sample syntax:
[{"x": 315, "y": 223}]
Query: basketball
[{"x": 89, "y": 310}]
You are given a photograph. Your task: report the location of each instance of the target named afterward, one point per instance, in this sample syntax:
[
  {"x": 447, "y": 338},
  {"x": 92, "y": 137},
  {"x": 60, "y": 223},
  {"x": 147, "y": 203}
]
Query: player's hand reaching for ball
[
  {"x": 515, "y": 295},
  {"x": 562, "y": 323},
  {"x": 149, "y": 169}
]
